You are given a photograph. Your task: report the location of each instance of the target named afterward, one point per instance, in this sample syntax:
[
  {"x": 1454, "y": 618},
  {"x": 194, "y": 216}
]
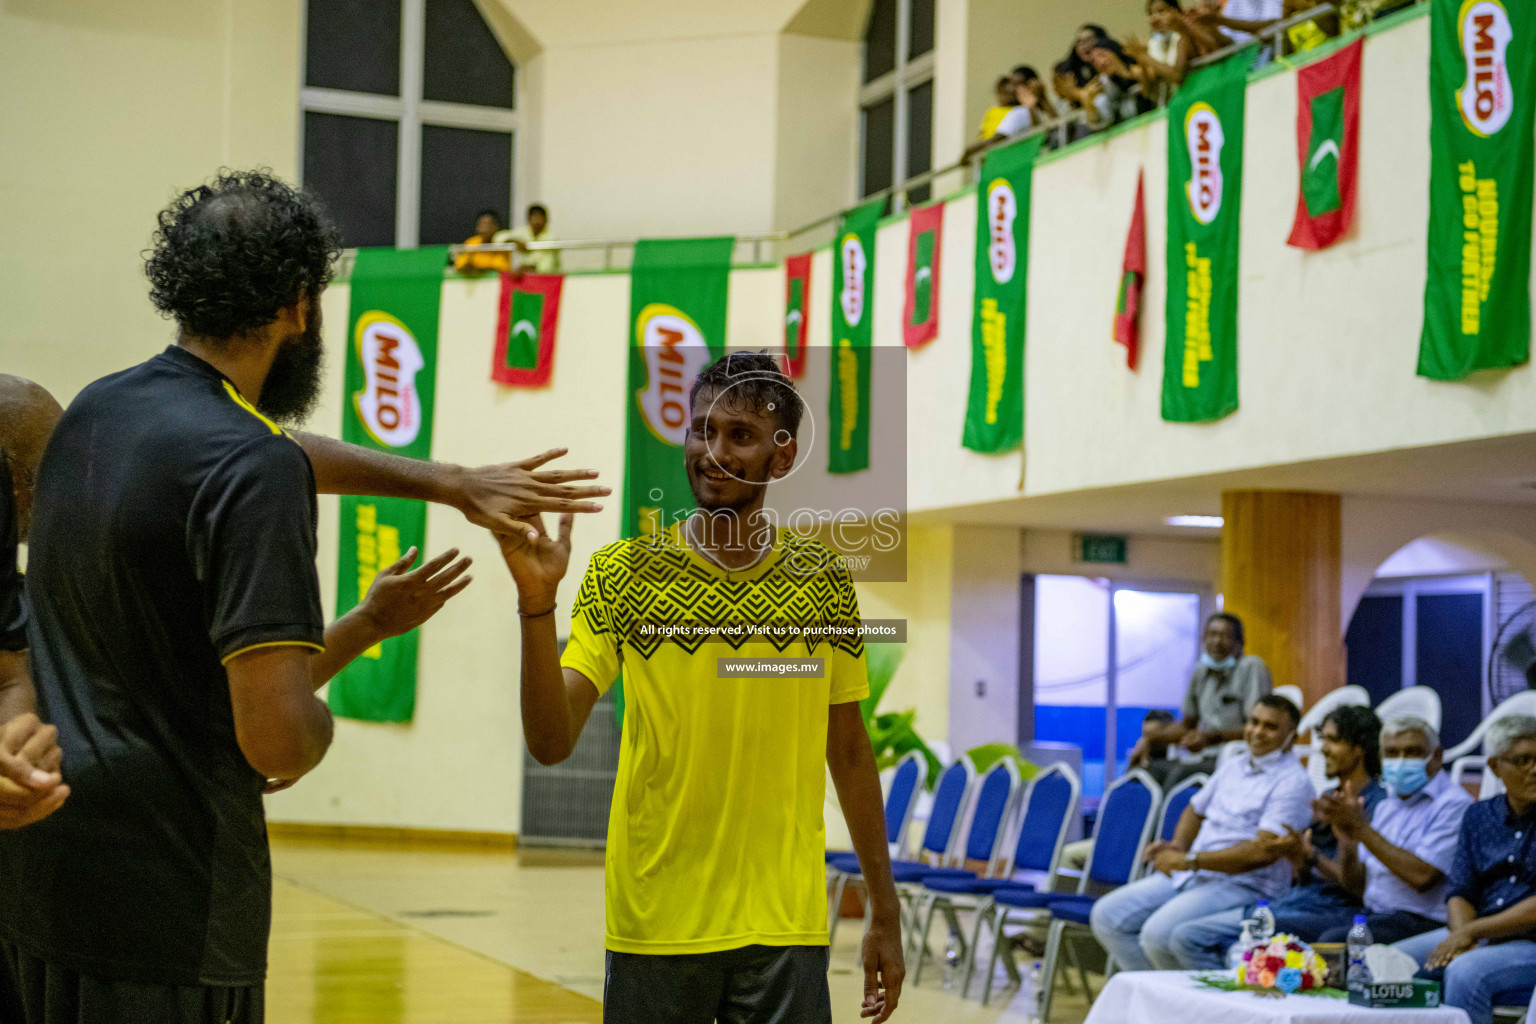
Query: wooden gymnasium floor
[{"x": 372, "y": 933}]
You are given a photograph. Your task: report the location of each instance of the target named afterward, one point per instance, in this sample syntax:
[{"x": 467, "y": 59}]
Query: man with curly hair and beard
[{"x": 176, "y": 633}]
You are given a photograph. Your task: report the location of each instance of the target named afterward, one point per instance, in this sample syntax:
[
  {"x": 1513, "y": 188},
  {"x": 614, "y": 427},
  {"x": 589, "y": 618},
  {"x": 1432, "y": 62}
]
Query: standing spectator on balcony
[
  {"x": 1032, "y": 108},
  {"x": 473, "y": 264},
  {"x": 1006, "y": 101},
  {"x": 538, "y": 261},
  {"x": 1161, "y": 61},
  {"x": 1096, "y": 57}
]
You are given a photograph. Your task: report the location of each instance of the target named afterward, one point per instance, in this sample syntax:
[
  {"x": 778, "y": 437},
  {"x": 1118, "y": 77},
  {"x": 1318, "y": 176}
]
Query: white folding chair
[{"x": 1415, "y": 702}]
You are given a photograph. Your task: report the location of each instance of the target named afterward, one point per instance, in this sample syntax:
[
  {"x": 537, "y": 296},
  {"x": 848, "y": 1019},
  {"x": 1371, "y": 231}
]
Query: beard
[{"x": 292, "y": 387}]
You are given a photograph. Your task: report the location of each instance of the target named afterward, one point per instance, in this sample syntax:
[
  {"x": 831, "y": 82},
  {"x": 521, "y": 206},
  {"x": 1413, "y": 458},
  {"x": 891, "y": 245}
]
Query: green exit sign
[{"x": 1103, "y": 548}]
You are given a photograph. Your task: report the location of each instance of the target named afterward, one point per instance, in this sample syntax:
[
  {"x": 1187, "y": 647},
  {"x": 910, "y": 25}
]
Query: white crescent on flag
[
  {"x": 922, "y": 272},
  {"x": 1327, "y": 147},
  {"x": 525, "y": 326},
  {"x": 793, "y": 318}
]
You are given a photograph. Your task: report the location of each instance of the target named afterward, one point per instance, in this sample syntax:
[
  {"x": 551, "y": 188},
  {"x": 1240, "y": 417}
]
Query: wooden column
[{"x": 1280, "y": 575}]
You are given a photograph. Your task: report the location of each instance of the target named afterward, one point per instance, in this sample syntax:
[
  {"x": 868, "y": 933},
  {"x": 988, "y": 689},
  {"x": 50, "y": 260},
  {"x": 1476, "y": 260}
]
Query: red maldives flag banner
[
  {"x": 1328, "y": 146},
  {"x": 797, "y": 312},
  {"x": 1133, "y": 274},
  {"x": 525, "y": 330},
  {"x": 920, "y": 322}
]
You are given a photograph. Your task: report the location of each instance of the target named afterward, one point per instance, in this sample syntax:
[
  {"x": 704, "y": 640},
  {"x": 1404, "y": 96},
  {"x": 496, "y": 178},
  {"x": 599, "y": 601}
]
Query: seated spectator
[
  {"x": 473, "y": 264},
  {"x": 1239, "y": 20},
  {"x": 1098, "y": 79},
  {"x": 1219, "y": 858},
  {"x": 1318, "y": 901},
  {"x": 1399, "y": 857},
  {"x": 1161, "y": 61},
  {"x": 536, "y": 261},
  {"x": 1222, "y": 692},
  {"x": 1006, "y": 101},
  {"x": 1487, "y": 945},
  {"x": 1151, "y": 756},
  {"x": 1032, "y": 107}
]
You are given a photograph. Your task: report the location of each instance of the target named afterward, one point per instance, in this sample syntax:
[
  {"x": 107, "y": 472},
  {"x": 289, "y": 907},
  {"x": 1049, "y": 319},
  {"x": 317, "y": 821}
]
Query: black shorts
[
  {"x": 34, "y": 991},
  {"x": 751, "y": 985}
]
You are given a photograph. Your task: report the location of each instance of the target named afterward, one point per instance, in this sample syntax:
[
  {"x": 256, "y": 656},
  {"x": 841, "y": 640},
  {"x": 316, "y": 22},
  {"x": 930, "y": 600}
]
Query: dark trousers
[
  {"x": 34, "y": 991},
  {"x": 1387, "y": 928},
  {"x": 751, "y": 985}
]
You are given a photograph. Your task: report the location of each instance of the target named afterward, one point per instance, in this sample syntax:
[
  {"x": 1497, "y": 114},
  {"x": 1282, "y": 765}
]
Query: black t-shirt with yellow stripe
[{"x": 174, "y": 527}]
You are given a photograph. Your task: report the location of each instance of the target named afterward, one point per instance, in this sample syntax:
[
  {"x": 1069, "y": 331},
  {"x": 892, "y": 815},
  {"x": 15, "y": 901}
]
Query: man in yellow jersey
[{"x": 716, "y": 894}]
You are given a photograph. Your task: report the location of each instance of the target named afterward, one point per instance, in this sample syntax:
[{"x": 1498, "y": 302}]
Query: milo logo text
[
  {"x": 852, "y": 295},
  {"x": 675, "y": 351},
  {"x": 1487, "y": 97},
  {"x": 1002, "y": 210},
  {"x": 1204, "y": 138},
  {"x": 389, "y": 405}
]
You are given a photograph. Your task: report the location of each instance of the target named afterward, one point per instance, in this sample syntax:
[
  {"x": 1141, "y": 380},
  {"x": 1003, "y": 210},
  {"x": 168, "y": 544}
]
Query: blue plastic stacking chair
[
  {"x": 1174, "y": 803},
  {"x": 900, "y": 802},
  {"x": 949, "y": 803},
  {"x": 991, "y": 812},
  {"x": 1041, "y": 825},
  {"x": 1127, "y": 816}
]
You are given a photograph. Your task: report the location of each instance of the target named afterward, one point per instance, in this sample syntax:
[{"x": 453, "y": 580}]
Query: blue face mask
[
  {"x": 1226, "y": 664},
  {"x": 1405, "y": 776}
]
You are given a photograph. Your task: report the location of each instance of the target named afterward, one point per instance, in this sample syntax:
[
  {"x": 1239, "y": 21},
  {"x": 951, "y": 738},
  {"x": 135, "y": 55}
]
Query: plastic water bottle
[
  {"x": 1037, "y": 993},
  {"x": 1242, "y": 945},
  {"x": 1263, "y": 923},
  {"x": 1358, "y": 974},
  {"x": 951, "y": 960}
]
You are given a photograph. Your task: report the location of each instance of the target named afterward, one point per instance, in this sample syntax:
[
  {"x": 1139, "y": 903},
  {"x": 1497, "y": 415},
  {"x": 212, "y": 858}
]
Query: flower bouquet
[
  {"x": 1285, "y": 963},
  {"x": 1279, "y": 967}
]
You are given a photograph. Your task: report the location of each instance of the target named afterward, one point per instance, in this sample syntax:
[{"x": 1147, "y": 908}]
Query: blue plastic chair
[
  {"x": 900, "y": 802},
  {"x": 1513, "y": 1002},
  {"x": 949, "y": 803},
  {"x": 1045, "y": 816},
  {"x": 1126, "y": 819},
  {"x": 1174, "y": 803},
  {"x": 991, "y": 811}
]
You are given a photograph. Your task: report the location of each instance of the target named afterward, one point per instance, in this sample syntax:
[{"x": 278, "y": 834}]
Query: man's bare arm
[{"x": 16, "y": 693}]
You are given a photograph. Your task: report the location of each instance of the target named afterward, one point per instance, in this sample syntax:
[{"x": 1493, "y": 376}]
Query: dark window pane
[
  {"x": 880, "y": 40},
  {"x": 353, "y": 44},
  {"x": 1449, "y": 659},
  {"x": 464, "y": 62},
  {"x": 463, "y": 171},
  {"x": 921, "y": 39},
  {"x": 350, "y": 163},
  {"x": 879, "y": 143},
  {"x": 920, "y": 138},
  {"x": 1374, "y": 645}
]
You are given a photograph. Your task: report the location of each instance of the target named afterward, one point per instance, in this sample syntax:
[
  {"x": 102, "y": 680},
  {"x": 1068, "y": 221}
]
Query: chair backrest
[
  {"x": 1418, "y": 701},
  {"x": 1126, "y": 816},
  {"x": 1174, "y": 803},
  {"x": 1523, "y": 703},
  {"x": 1229, "y": 750},
  {"x": 949, "y": 798},
  {"x": 900, "y": 801},
  {"x": 1045, "y": 818},
  {"x": 1344, "y": 696},
  {"x": 991, "y": 807},
  {"x": 1292, "y": 694}
]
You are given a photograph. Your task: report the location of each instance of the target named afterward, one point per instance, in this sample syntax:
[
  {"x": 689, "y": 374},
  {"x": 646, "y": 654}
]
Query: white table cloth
[{"x": 1161, "y": 997}]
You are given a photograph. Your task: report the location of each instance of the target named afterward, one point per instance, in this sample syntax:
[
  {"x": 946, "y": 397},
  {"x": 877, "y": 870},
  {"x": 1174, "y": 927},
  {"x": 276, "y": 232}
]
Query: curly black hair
[
  {"x": 229, "y": 255},
  {"x": 756, "y": 379},
  {"x": 1359, "y": 727}
]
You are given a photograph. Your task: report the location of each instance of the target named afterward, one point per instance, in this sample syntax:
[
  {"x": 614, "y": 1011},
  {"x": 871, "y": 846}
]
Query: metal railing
[{"x": 1271, "y": 36}]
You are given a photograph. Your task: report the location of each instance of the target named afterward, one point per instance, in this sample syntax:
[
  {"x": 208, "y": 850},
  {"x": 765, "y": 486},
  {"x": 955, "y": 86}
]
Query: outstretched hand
[
  {"x": 536, "y": 560},
  {"x": 402, "y": 598},
  {"x": 495, "y": 497}
]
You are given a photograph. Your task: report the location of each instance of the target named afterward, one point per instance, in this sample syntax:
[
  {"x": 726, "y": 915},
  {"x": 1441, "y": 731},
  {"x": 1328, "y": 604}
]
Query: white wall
[
  {"x": 1149, "y": 559},
  {"x": 984, "y": 637}
]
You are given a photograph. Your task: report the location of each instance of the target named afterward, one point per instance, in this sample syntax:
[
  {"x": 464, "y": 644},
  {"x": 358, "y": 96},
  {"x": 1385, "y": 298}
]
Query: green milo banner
[
  {"x": 994, "y": 412},
  {"x": 677, "y": 302},
  {"x": 1482, "y": 76},
  {"x": 390, "y": 380},
  {"x": 1205, "y": 188},
  {"x": 853, "y": 288}
]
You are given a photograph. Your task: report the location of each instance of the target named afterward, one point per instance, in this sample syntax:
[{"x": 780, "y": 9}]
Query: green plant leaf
[
  {"x": 988, "y": 754},
  {"x": 882, "y": 661}
]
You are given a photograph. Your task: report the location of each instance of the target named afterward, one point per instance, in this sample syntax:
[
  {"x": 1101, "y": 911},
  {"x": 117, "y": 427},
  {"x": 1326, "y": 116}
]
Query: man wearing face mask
[
  {"x": 1398, "y": 857},
  {"x": 1488, "y": 945},
  {"x": 1220, "y": 857},
  {"x": 1223, "y": 690}
]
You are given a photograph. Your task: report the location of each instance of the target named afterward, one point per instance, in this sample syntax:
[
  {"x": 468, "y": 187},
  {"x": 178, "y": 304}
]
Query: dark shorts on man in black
[
  {"x": 38, "y": 992},
  {"x": 750, "y": 985}
]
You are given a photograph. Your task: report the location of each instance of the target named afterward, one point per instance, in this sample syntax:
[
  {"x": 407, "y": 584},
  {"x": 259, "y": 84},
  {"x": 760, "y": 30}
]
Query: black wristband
[{"x": 536, "y": 615}]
